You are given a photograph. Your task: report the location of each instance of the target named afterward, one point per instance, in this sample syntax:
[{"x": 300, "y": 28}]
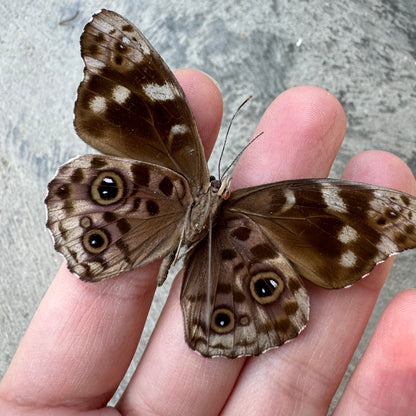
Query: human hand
[{"x": 83, "y": 336}]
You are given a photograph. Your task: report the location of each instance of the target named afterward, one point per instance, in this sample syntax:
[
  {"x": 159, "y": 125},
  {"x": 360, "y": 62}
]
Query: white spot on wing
[
  {"x": 98, "y": 104},
  {"x": 91, "y": 62},
  {"x": 163, "y": 92},
  {"x": 332, "y": 199},
  {"x": 290, "y": 200},
  {"x": 125, "y": 40},
  {"x": 176, "y": 130},
  {"x": 382, "y": 201},
  {"x": 377, "y": 204},
  {"x": 348, "y": 259},
  {"x": 121, "y": 94},
  {"x": 387, "y": 246},
  {"x": 179, "y": 129},
  {"x": 145, "y": 48},
  {"x": 347, "y": 234},
  {"x": 104, "y": 26}
]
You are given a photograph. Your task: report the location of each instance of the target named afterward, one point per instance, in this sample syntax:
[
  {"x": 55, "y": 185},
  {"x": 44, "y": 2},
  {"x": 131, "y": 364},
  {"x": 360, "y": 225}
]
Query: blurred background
[{"x": 363, "y": 52}]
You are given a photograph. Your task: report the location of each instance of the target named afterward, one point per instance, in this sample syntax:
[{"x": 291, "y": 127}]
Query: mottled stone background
[{"x": 362, "y": 52}]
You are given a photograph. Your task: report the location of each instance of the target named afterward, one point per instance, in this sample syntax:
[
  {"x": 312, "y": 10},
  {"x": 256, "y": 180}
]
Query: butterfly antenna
[
  {"x": 235, "y": 160},
  {"x": 226, "y": 134}
]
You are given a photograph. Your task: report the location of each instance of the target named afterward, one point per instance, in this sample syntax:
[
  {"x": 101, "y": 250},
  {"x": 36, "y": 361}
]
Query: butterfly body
[
  {"x": 204, "y": 210},
  {"x": 150, "y": 194}
]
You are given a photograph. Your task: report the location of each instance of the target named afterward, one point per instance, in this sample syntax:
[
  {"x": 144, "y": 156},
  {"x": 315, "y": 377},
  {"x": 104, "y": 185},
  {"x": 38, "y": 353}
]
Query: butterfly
[{"x": 150, "y": 194}]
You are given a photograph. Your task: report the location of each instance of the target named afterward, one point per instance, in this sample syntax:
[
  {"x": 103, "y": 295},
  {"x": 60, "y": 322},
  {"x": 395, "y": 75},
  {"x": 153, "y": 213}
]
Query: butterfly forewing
[
  {"x": 334, "y": 232},
  {"x": 131, "y": 105}
]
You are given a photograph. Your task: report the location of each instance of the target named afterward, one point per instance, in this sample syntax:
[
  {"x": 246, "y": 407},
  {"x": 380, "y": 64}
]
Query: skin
[{"x": 83, "y": 336}]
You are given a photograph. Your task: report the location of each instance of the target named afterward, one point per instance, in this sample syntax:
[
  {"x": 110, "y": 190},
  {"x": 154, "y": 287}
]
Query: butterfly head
[{"x": 221, "y": 187}]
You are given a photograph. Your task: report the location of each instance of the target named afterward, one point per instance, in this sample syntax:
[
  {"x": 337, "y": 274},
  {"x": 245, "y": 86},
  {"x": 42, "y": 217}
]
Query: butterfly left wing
[
  {"x": 131, "y": 105},
  {"x": 249, "y": 300},
  {"x": 333, "y": 232},
  {"x": 108, "y": 215}
]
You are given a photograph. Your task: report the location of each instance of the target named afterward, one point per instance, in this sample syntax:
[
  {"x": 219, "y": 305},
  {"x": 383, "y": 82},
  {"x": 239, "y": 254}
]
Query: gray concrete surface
[{"x": 362, "y": 52}]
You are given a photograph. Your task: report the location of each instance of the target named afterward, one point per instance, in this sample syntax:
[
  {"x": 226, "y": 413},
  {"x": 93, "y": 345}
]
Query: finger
[
  {"x": 83, "y": 336},
  {"x": 298, "y": 121},
  {"x": 384, "y": 381},
  {"x": 302, "y": 132},
  {"x": 305, "y": 373},
  {"x": 198, "y": 89}
]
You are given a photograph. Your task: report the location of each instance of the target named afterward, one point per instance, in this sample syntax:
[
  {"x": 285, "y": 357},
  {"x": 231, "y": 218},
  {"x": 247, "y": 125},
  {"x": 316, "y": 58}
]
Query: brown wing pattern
[
  {"x": 250, "y": 300},
  {"x": 333, "y": 232},
  {"x": 109, "y": 215},
  {"x": 131, "y": 105}
]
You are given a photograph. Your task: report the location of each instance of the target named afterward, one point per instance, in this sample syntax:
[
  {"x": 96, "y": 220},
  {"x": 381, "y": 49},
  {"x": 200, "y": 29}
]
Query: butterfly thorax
[{"x": 204, "y": 211}]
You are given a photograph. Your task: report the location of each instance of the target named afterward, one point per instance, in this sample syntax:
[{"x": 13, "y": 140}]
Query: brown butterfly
[{"x": 151, "y": 194}]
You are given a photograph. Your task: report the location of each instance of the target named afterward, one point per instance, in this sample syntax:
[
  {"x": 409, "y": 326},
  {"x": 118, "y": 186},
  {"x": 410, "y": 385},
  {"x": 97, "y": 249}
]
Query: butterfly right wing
[
  {"x": 333, "y": 232},
  {"x": 109, "y": 215},
  {"x": 131, "y": 105}
]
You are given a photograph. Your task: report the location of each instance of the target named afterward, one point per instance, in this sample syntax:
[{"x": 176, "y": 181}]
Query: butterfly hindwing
[
  {"x": 108, "y": 214},
  {"x": 249, "y": 300},
  {"x": 131, "y": 105}
]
